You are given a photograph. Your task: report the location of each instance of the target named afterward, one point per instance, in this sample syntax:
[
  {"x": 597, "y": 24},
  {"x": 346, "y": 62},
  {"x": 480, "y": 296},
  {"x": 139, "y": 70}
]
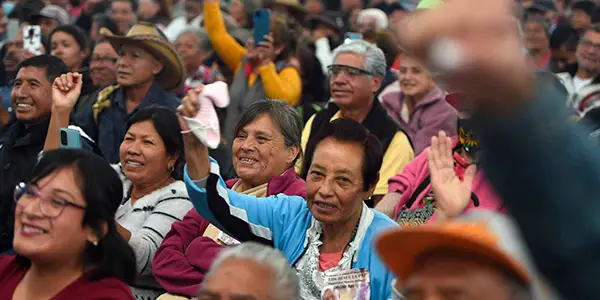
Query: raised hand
[
  {"x": 251, "y": 52},
  {"x": 265, "y": 50},
  {"x": 452, "y": 195},
  {"x": 66, "y": 90}
]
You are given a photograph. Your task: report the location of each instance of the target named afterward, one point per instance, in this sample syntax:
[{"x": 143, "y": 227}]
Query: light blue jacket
[{"x": 281, "y": 221}]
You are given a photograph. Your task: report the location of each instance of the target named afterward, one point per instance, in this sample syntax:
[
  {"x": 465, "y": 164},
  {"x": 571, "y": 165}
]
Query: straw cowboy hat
[
  {"x": 292, "y": 4},
  {"x": 149, "y": 37}
]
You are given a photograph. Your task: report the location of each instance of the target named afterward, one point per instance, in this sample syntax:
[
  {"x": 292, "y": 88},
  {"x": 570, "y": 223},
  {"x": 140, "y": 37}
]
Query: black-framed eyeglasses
[
  {"x": 589, "y": 44},
  {"x": 349, "y": 71},
  {"x": 52, "y": 208},
  {"x": 104, "y": 59}
]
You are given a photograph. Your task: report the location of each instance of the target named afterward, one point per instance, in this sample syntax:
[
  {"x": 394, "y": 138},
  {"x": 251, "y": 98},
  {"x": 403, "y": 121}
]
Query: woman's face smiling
[
  {"x": 41, "y": 238},
  {"x": 259, "y": 152},
  {"x": 144, "y": 157},
  {"x": 334, "y": 184}
]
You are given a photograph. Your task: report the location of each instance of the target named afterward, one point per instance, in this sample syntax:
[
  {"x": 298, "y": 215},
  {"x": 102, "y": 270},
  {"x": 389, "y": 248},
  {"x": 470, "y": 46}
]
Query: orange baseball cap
[{"x": 400, "y": 249}]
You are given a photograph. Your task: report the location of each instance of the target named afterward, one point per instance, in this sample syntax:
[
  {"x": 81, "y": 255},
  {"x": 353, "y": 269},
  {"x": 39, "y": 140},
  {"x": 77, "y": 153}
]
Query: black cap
[
  {"x": 585, "y": 5},
  {"x": 329, "y": 18}
]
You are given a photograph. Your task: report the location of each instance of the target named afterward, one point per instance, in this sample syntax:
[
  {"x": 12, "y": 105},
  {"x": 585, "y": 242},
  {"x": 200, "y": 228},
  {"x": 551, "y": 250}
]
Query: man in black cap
[
  {"x": 581, "y": 14},
  {"x": 326, "y": 31},
  {"x": 49, "y": 18}
]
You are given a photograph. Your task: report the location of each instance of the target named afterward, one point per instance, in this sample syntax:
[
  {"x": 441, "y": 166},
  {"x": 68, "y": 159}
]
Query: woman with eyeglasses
[
  {"x": 103, "y": 71},
  {"x": 66, "y": 241}
]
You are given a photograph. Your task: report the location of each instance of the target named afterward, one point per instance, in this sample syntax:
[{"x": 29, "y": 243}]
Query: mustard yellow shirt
[
  {"x": 398, "y": 154},
  {"x": 285, "y": 86}
]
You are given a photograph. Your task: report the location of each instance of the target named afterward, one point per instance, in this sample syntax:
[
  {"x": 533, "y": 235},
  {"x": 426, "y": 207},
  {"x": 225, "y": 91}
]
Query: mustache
[
  {"x": 338, "y": 89},
  {"x": 98, "y": 68}
]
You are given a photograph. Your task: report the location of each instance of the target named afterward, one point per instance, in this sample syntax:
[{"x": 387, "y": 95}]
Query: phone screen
[
  {"x": 262, "y": 25},
  {"x": 354, "y": 36},
  {"x": 32, "y": 39}
]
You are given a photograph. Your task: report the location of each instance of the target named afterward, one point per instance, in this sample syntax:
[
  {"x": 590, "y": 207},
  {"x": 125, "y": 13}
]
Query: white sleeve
[{"x": 323, "y": 53}]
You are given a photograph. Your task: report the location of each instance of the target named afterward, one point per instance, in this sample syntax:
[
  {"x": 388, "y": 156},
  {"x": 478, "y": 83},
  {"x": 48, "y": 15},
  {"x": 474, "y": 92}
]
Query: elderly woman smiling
[
  {"x": 266, "y": 145},
  {"x": 329, "y": 233}
]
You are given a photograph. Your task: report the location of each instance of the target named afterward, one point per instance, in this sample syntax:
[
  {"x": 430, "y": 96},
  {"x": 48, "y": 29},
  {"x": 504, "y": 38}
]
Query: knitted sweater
[{"x": 149, "y": 219}]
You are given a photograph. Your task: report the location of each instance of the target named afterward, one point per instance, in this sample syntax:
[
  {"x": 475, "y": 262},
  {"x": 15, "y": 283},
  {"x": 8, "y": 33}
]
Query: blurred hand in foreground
[{"x": 493, "y": 69}]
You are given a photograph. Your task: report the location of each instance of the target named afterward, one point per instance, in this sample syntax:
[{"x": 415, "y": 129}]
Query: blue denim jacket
[{"x": 110, "y": 128}]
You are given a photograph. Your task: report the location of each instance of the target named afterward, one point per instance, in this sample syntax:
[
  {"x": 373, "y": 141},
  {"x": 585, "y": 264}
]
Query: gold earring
[
  {"x": 95, "y": 243},
  {"x": 171, "y": 168}
]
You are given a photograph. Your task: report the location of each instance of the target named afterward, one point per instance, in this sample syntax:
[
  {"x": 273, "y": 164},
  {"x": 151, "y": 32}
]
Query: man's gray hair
[
  {"x": 285, "y": 286},
  {"x": 374, "y": 59},
  {"x": 204, "y": 43}
]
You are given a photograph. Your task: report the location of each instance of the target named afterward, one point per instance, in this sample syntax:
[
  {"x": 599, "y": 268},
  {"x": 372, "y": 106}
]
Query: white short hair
[
  {"x": 378, "y": 14},
  {"x": 374, "y": 59},
  {"x": 286, "y": 285}
]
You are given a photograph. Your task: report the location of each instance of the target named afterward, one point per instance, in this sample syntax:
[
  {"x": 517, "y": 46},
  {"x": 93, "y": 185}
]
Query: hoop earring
[{"x": 171, "y": 168}]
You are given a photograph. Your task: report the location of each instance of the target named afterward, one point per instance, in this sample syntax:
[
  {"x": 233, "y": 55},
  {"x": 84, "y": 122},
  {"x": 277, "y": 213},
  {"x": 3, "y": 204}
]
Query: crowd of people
[{"x": 334, "y": 158}]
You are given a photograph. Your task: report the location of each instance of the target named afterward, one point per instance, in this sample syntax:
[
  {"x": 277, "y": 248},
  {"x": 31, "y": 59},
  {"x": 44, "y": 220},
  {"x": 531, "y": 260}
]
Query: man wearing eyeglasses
[
  {"x": 582, "y": 80},
  {"x": 354, "y": 78},
  {"x": 103, "y": 70},
  {"x": 103, "y": 64}
]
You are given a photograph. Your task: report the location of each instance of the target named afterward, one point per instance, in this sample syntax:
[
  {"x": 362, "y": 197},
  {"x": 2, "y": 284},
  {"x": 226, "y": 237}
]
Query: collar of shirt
[{"x": 152, "y": 97}]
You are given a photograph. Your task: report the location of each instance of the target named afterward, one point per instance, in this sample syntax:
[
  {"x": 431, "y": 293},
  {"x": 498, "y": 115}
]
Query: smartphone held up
[
  {"x": 32, "y": 39},
  {"x": 70, "y": 138},
  {"x": 262, "y": 25}
]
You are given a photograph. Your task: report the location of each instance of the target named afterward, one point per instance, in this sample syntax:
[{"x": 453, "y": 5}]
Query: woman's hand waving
[{"x": 452, "y": 195}]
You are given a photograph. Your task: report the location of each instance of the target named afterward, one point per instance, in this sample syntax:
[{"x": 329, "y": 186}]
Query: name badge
[
  {"x": 227, "y": 240},
  {"x": 349, "y": 284}
]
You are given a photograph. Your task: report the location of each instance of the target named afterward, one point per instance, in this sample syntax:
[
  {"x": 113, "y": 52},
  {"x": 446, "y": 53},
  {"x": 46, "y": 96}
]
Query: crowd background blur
[{"x": 128, "y": 75}]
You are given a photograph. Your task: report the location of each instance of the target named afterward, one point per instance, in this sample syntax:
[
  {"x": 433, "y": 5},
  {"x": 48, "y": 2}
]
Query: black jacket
[{"x": 19, "y": 149}]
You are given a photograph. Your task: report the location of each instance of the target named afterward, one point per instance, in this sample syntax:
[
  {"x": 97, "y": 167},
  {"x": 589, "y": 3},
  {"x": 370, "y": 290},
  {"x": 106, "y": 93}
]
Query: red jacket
[
  {"x": 12, "y": 272},
  {"x": 185, "y": 255}
]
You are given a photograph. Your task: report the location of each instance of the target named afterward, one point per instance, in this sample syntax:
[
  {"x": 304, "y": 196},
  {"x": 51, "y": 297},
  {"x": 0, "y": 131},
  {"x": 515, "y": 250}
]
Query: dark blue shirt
[{"x": 110, "y": 128}]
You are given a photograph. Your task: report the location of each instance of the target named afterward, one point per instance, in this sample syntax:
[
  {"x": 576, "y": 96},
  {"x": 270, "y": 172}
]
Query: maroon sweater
[
  {"x": 12, "y": 272},
  {"x": 185, "y": 255}
]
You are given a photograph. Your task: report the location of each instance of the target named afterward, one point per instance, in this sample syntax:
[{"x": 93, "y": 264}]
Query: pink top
[
  {"x": 329, "y": 260},
  {"x": 417, "y": 171}
]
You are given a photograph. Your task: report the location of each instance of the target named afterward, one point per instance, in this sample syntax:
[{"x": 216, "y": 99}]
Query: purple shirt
[{"x": 430, "y": 115}]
